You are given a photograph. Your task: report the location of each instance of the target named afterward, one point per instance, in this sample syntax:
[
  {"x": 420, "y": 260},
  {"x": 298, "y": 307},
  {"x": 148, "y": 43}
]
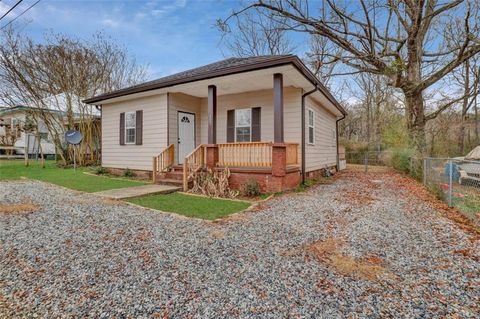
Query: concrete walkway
[{"x": 136, "y": 191}]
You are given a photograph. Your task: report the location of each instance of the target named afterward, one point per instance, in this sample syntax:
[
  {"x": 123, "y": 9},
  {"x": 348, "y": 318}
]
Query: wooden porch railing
[
  {"x": 193, "y": 162},
  {"x": 292, "y": 153},
  {"x": 254, "y": 154},
  {"x": 163, "y": 161}
]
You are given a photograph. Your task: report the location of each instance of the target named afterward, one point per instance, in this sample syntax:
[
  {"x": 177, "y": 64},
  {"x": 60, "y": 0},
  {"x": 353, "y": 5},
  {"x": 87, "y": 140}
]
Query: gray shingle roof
[
  {"x": 217, "y": 66},
  {"x": 216, "y": 69}
]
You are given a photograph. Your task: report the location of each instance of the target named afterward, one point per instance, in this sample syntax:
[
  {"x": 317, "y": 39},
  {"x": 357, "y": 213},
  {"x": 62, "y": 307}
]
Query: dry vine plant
[{"x": 213, "y": 183}]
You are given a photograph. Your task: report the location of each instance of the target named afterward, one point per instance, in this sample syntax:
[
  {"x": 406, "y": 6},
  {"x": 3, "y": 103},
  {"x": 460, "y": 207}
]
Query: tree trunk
[
  {"x": 432, "y": 144},
  {"x": 477, "y": 133},
  {"x": 466, "y": 88},
  {"x": 416, "y": 122}
]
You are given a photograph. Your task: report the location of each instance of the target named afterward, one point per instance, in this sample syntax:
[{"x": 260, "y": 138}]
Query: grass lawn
[
  {"x": 191, "y": 206},
  {"x": 14, "y": 170},
  {"x": 469, "y": 205}
]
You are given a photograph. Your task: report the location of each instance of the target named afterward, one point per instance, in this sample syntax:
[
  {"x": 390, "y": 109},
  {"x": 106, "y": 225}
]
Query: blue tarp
[{"x": 455, "y": 171}]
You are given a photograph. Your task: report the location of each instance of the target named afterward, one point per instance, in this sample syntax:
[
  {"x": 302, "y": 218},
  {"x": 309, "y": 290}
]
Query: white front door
[{"x": 186, "y": 135}]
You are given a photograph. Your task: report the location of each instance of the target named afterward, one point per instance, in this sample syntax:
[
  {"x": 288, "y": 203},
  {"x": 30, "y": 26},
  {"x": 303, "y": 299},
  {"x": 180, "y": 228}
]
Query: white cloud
[{"x": 110, "y": 23}]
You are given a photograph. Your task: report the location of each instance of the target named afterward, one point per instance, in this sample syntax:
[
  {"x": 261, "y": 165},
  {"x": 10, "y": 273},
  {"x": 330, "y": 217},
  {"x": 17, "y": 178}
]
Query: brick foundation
[
  {"x": 140, "y": 174},
  {"x": 320, "y": 172},
  {"x": 279, "y": 159},
  {"x": 267, "y": 182},
  {"x": 211, "y": 155}
]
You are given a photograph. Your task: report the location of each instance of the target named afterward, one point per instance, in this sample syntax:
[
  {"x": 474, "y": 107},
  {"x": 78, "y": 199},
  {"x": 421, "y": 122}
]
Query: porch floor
[{"x": 136, "y": 191}]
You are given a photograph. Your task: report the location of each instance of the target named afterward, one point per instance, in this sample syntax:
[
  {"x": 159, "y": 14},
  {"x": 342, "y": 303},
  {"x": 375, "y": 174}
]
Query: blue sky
[{"x": 169, "y": 36}]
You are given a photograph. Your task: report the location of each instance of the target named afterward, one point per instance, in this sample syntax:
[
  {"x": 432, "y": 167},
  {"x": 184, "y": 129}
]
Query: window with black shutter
[
  {"x": 131, "y": 128},
  {"x": 243, "y": 125}
]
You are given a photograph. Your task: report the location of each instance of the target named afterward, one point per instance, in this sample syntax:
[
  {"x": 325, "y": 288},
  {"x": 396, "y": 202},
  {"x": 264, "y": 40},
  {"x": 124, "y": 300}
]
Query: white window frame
[
  {"x": 310, "y": 126},
  {"x": 250, "y": 109},
  {"x": 134, "y": 127}
]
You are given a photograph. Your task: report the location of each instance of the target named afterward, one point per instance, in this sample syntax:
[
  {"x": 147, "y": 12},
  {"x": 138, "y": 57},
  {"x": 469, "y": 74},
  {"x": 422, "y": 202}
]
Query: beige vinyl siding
[
  {"x": 156, "y": 137},
  {"x": 324, "y": 152},
  {"x": 154, "y": 133},
  {"x": 263, "y": 99},
  {"x": 186, "y": 103}
]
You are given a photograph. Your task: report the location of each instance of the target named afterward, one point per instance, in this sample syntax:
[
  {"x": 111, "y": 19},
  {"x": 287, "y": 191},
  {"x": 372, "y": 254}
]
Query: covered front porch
[
  {"x": 243, "y": 130},
  {"x": 266, "y": 162}
]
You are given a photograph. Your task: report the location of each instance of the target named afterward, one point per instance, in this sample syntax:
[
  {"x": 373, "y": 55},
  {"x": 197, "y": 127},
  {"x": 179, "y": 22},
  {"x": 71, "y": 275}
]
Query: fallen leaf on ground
[{"x": 18, "y": 208}]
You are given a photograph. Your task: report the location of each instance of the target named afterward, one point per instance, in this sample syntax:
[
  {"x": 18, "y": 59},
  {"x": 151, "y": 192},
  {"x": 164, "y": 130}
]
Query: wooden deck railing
[
  {"x": 292, "y": 153},
  {"x": 163, "y": 161},
  {"x": 193, "y": 162},
  {"x": 254, "y": 154}
]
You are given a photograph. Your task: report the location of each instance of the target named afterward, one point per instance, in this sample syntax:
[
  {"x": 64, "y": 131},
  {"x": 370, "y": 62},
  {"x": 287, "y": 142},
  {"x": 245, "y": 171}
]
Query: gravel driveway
[{"x": 359, "y": 247}]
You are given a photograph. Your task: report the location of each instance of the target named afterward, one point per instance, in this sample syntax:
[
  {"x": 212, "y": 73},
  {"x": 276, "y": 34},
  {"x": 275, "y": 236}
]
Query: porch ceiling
[
  {"x": 244, "y": 82},
  {"x": 229, "y": 84}
]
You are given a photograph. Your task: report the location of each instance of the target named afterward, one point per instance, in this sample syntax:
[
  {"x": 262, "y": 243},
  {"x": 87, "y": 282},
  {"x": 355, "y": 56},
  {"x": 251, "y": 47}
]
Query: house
[
  {"x": 266, "y": 118},
  {"x": 24, "y": 127},
  {"x": 18, "y": 130}
]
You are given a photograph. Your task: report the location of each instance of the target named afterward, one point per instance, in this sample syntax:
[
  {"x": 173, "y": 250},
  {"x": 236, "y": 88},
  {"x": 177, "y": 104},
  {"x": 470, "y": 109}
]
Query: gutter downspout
[
  {"x": 304, "y": 95},
  {"x": 336, "y": 131}
]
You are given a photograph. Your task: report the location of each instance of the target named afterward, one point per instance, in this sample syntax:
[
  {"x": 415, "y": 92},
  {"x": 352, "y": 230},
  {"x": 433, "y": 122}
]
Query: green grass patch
[
  {"x": 67, "y": 177},
  {"x": 469, "y": 206},
  {"x": 191, "y": 206}
]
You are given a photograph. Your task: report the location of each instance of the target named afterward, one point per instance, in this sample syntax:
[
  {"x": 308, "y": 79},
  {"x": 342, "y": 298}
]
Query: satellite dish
[{"x": 73, "y": 137}]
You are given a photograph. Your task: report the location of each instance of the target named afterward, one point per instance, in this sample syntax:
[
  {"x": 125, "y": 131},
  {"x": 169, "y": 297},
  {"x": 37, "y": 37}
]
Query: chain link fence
[
  {"x": 368, "y": 158},
  {"x": 454, "y": 180}
]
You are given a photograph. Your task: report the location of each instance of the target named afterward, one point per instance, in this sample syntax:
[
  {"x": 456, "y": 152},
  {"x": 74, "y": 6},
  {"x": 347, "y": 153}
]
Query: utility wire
[
  {"x": 16, "y": 4},
  {"x": 24, "y": 11}
]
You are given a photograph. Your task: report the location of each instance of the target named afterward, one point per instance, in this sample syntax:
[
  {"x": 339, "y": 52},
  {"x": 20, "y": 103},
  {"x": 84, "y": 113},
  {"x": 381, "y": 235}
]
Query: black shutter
[
  {"x": 256, "y": 126},
  {"x": 230, "y": 126},
  {"x": 122, "y": 128},
  {"x": 139, "y": 128}
]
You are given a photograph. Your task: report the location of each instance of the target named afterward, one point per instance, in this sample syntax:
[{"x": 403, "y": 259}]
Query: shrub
[
  {"x": 355, "y": 152},
  {"x": 251, "y": 188},
  {"x": 128, "y": 173},
  {"x": 99, "y": 170},
  {"x": 400, "y": 159}
]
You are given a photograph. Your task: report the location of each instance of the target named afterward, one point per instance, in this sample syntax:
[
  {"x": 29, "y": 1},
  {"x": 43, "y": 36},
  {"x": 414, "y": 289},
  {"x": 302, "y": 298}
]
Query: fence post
[
  {"x": 450, "y": 178},
  {"x": 425, "y": 171}
]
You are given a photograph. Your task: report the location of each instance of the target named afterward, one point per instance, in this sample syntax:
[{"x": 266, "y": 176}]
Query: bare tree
[
  {"x": 256, "y": 33},
  {"x": 56, "y": 75},
  {"x": 405, "y": 41},
  {"x": 467, "y": 78}
]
